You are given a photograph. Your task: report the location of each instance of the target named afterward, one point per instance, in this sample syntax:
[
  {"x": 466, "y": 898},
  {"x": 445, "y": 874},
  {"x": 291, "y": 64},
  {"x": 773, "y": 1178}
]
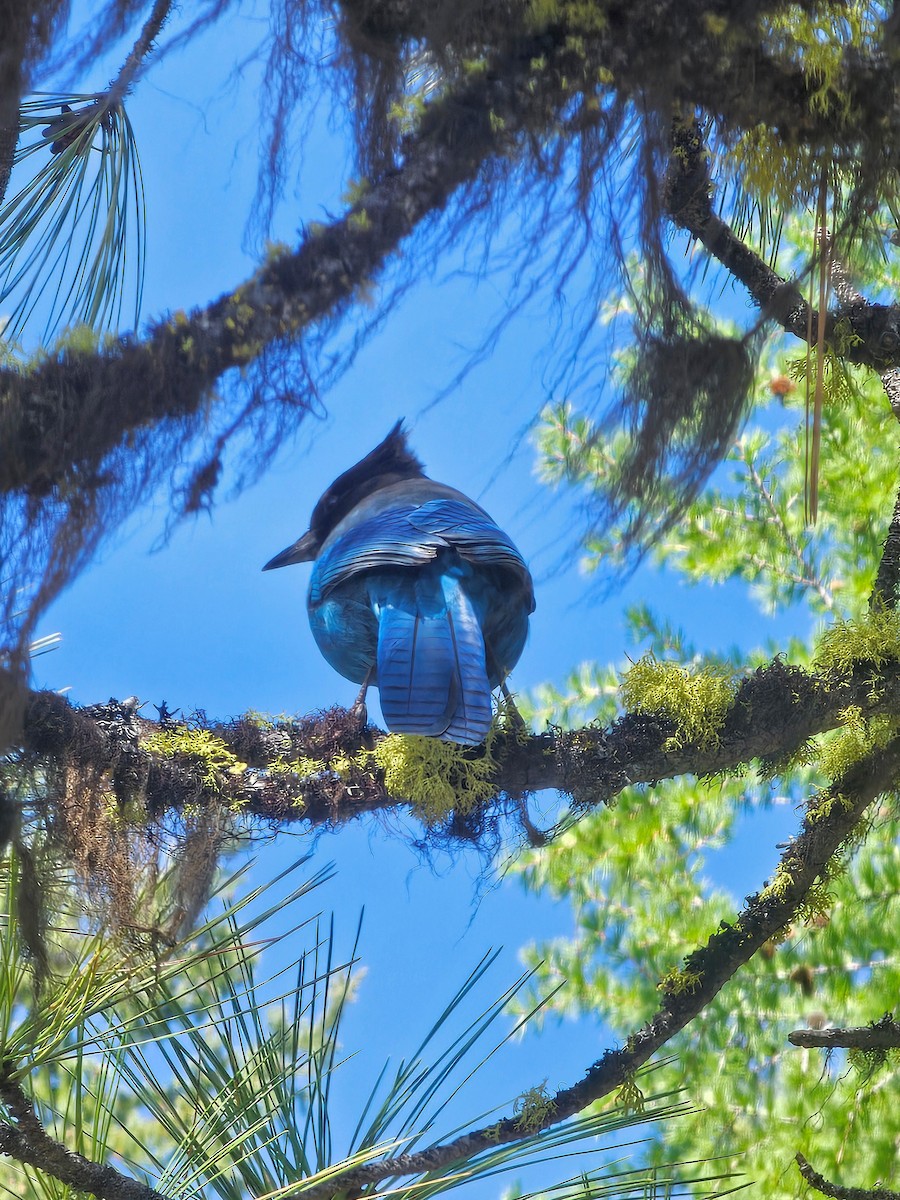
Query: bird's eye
[{"x": 889, "y": 340}]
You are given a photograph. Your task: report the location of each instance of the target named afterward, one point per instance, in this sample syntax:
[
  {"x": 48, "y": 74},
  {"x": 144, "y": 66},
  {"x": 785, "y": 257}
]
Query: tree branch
[
  {"x": 124, "y": 81},
  {"x": 688, "y": 189},
  {"x": 28, "y": 1142},
  {"x": 886, "y": 591},
  {"x": 774, "y": 712},
  {"x": 881, "y": 1035},
  {"x": 169, "y": 374},
  {"x": 831, "y": 818},
  {"x": 821, "y": 1184}
]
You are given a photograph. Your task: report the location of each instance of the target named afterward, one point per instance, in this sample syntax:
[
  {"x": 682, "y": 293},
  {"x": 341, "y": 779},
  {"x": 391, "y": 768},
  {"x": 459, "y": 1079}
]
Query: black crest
[{"x": 390, "y": 462}]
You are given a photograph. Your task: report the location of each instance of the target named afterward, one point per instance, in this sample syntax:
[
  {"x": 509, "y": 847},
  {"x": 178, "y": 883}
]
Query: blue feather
[{"x": 431, "y": 671}]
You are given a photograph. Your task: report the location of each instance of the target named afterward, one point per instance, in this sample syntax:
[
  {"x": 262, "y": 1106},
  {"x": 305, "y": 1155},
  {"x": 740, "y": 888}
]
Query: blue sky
[{"x": 197, "y": 624}]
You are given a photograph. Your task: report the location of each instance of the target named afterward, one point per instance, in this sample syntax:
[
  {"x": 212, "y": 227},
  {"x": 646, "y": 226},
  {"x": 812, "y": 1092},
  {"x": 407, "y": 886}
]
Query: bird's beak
[{"x": 303, "y": 550}]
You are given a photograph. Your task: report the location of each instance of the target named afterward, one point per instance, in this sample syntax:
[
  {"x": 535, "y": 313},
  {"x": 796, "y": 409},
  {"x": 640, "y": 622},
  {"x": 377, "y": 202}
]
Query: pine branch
[
  {"x": 821, "y": 1184},
  {"x": 125, "y": 80},
  {"x": 28, "y": 1142}
]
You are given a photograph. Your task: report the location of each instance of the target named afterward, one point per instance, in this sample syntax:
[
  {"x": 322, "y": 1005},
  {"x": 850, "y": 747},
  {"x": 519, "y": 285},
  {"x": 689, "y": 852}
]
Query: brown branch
[
  {"x": 821, "y": 1184},
  {"x": 831, "y": 818},
  {"x": 28, "y": 1142},
  {"x": 169, "y": 374},
  {"x": 688, "y": 190},
  {"x": 882, "y": 1035}
]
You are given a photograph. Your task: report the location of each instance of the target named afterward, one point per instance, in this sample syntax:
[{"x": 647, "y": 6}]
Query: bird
[{"x": 414, "y": 589}]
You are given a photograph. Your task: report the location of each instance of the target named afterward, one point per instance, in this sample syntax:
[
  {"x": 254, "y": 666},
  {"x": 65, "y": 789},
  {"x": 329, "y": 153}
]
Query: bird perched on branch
[{"x": 414, "y": 589}]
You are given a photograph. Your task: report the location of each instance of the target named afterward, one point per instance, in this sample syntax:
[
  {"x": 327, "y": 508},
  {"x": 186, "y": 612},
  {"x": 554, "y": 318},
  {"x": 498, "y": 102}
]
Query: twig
[
  {"x": 124, "y": 81},
  {"x": 821, "y": 1184}
]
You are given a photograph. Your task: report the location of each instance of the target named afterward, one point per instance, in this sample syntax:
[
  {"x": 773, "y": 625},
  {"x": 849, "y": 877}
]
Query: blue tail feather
[{"x": 430, "y": 658}]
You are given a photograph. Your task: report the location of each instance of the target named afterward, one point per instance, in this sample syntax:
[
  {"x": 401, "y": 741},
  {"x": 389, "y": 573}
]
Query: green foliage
[
  {"x": 204, "y": 1076},
  {"x": 637, "y": 877}
]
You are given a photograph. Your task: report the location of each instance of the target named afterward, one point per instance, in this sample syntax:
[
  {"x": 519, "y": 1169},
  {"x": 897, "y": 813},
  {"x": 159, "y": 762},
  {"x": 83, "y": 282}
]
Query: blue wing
[
  {"x": 435, "y": 596},
  {"x": 412, "y": 536}
]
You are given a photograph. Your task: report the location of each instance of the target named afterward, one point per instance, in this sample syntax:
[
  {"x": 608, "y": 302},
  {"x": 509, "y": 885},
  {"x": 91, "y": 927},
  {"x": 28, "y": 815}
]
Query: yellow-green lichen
[
  {"x": 208, "y": 753},
  {"x": 357, "y": 189},
  {"x": 677, "y": 982},
  {"x": 856, "y": 738},
  {"x": 534, "y": 1109},
  {"x": 873, "y": 637},
  {"x": 436, "y": 777},
  {"x": 696, "y": 701},
  {"x": 359, "y": 221}
]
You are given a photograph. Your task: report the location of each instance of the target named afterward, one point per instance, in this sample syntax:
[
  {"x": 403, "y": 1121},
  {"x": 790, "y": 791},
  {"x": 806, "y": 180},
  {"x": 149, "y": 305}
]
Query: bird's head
[{"x": 390, "y": 462}]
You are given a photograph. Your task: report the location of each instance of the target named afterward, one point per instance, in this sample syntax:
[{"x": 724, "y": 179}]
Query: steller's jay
[{"x": 415, "y": 589}]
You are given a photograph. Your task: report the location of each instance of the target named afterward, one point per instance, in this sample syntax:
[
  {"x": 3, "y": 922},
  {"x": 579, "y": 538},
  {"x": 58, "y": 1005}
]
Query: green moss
[
  {"x": 696, "y": 701},
  {"x": 435, "y": 776},
  {"x": 207, "y": 753},
  {"x": 359, "y": 221},
  {"x": 357, "y": 189},
  {"x": 868, "y": 1063},
  {"x": 677, "y": 982},
  {"x": 534, "y": 1109},
  {"x": 856, "y": 738},
  {"x": 872, "y": 638}
]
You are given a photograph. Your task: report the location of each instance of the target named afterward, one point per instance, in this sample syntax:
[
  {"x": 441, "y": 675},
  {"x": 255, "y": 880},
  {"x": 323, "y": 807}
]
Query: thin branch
[
  {"x": 830, "y": 820},
  {"x": 821, "y": 1184},
  {"x": 688, "y": 191},
  {"x": 882, "y": 1035},
  {"x": 144, "y": 45},
  {"x": 28, "y": 1142}
]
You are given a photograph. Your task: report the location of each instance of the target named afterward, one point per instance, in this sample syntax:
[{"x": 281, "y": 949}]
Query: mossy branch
[
  {"x": 320, "y": 770},
  {"x": 170, "y": 373},
  {"x": 838, "y": 1191},
  {"x": 873, "y": 329}
]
